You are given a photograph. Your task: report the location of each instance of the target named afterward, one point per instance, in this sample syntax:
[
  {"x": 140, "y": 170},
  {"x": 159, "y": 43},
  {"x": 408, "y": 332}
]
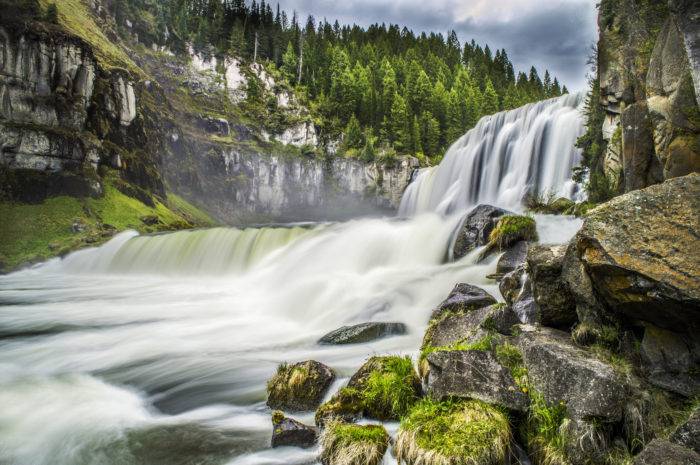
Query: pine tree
[
  {"x": 289, "y": 63},
  {"x": 353, "y": 134},
  {"x": 490, "y": 103}
]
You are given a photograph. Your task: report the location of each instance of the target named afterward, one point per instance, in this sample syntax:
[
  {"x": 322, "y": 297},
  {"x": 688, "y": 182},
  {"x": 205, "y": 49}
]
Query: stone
[
  {"x": 660, "y": 451},
  {"x": 640, "y": 252},
  {"x": 511, "y": 284},
  {"x": 671, "y": 360},
  {"x": 290, "y": 432},
  {"x": 688, "y": 433},
  {"x": 641, "y": 167},
  {"x": 300, "y": 386},
  {"x": 463, "y": 298},
  {"x": 363, "y": 332},
  {"x": 473, "y": 374},
  {"x": 555, "y": 305},
  {"x": 454, "y": 328},
  {"x": 565, "y": 373},
  {"x": 512, "y": 258},
  {"x": 475, "y": 228}
]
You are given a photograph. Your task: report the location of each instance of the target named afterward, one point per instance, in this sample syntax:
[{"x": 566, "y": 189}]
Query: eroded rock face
[
  {"x": 640, "y": 251},
  {"x": 564, "y": 373},
  {"x": 475, "y": 229},
  {"x": 463, "y": 298},
  {"x": 363, "y": 332},
  {"x": 473, "y": 374}
]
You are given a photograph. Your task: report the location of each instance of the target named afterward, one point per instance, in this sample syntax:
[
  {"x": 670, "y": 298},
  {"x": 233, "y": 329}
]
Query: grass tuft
[{"x": 349, "y": 444}]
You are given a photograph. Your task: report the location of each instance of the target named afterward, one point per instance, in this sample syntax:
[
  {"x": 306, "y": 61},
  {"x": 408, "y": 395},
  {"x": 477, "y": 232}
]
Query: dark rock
[
  {"x": 452, "y": 328},
  {"x": 512, "y": 258},
  {"x": 150, "y": 220},
  {"x": 555, "y": 303},
  {"x": 473, "y": 374},
  {"x": 463, "y": 298},
  {"x": 640, "y": 165},
  {"x": 662, "y": 452},
  {"x": 474, "y": 230},
  {"x": 565, "y": 373},
  {"x": 688, "y": 433},
  {"x": 218, "y": 126},
  {"x": 640, "y": 251},
  {"x": 289, "y": 432},
  {"x": 671, "y": 361},
  {"x": 585, "y": 442},
  {"x": 300, "y": 386},
  {"x": 512, "y": 284},
  {"x": 363, "y": 332},
  {"x": 588, "y": 307}
]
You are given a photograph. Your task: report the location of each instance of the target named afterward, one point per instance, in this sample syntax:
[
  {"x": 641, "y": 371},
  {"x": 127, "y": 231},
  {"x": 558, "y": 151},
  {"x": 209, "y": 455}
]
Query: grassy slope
[{"x": 32, "y": 233}]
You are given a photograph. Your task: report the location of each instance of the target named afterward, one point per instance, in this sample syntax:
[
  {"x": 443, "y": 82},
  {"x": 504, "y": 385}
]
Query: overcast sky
[{"x": 553, "y": 34}]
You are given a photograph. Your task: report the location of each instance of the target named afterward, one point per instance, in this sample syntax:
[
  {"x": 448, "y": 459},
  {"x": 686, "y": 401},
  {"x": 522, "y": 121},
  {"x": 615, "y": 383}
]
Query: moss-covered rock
[
  {"x": 463, "y": 299},
  {"x": 289, "y": 432},
  {"x": 348, "y": 444},
  {"x": 475, "y": 228},
  {"x": 383, "y": 388},
  {"x": 455, "y": 433},
  {"x": 300, "y": 386}
]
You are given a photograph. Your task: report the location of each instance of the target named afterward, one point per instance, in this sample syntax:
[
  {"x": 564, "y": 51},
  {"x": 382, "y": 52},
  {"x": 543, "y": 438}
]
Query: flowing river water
[{"x": 155, "y": 350}]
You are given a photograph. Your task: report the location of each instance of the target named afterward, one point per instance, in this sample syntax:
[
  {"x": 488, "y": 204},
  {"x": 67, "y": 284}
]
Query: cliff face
[
  {"x": 649, "y": 72},
  {"x": 169, "y": 122}
]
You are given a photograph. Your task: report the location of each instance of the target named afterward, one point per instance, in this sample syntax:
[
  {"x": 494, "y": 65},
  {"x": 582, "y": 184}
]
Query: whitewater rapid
[{"x": 155, "y": 350}]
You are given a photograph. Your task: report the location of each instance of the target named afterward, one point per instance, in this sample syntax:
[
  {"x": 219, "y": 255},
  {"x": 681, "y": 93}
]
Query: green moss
[
  {"x": 345, "y": 405},
  {"x": 456, "y": 433},
  {"x": 343, "y": 443},
  {"x": 482, "y": 344},
  {"x": 36, "y": 232},
  {"x": 510, "y": 357},
  {"x": 513, "y": 228},
  {"x": 349, "y": 433},
  {"x": 543, "y": 430},
  {"x": 391, "y": 391}
]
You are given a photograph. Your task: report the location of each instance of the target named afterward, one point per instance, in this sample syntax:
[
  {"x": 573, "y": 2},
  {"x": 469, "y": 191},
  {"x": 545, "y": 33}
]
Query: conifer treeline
[{"x": 381, "y": 85}]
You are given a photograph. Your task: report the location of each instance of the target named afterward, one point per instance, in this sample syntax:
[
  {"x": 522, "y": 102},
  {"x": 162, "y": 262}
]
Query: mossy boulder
[
  {"x": 289, "y": 432},
  {"x": 640, "y": 252},
  {"x": 463, "y": 299},
  {"x": 384, "y": 388},
  {"x": 300, "y": 386},
  {"x": 475, "y": 229},
  {"x": 456, "y": 433},
  {"x": 511, "y": 229},
  {"x": 349, "y": 444}
]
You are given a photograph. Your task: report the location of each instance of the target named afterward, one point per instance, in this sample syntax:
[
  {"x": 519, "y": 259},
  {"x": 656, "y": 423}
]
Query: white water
[
  {"x": 155, "y": 350},
  {"x": 506, "y": 156}
]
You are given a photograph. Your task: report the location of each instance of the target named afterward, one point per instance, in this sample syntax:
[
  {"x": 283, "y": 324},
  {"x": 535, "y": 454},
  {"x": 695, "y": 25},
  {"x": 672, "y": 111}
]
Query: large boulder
[
  {"x": 473, "y": 374},
  {"x": 300, "y": 386},
  {"x": 640, "y": 251},
  {"x": 452, "y": 328},
  {"x": 671, "y": 360},
  {"x": 555, "y": 305},
  {"x": 512, "y": 258},
  {"x": 289, "y": 432},
  {"x": 363, "y": 332},
  {"x": 463, "y": 298},
  {"x": 565, "y": 373},
  {"x": 660, "y": 451},
  {"x": 475, "y": 229}
]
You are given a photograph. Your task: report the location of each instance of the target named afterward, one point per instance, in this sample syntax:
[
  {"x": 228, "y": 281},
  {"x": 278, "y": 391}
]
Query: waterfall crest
[{"x": 504, "y": 157}]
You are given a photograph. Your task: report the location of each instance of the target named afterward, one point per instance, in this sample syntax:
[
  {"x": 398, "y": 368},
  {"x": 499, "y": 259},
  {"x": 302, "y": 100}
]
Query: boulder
[
  {"x": 347, "y": 444},
  {"x": 688, "y": 434},
  {"x": 555, "y": 305},
  {"x": 563, "y": 372},
  {"x": 512, "y": 258},
  {"x": 462, "y": 299},
  {"x": 660, "y": 451},
  {"x": 452, "y": 328},
  {"x": 299, "y": 387},
  {"x": 289, "y": 432},
  {"x": 475, "y": 229},
  {"x": 363, "y": 332},
  {"x": 640, "y": 251},
  {"x": 474, "y": 374},
  {"x": 671, "y": 360}
]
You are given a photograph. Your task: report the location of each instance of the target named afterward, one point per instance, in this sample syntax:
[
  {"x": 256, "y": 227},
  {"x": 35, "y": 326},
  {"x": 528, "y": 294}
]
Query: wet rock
[
  {"x": 640, "y": 251},
  {"x": 565, "y": 373},
  {"x": 300, "y": 386},
  {"x": 688, "y": 433},
  {"x": 671, "y": 360},
  {"x": 346, "y": 405},
  {"x": 660, "y": 451},
  {"x": 511, "y": 284},
  {"x": 554, "y": 302},
  {"x": 475, "y": 229},
  {"x": 364, "y": 332},
  {"x": 462, "y": 299},
  {"x": 289, "y": 432},
  {"x": 473, "y": 374},
  {"x": 512, "y": 258}
]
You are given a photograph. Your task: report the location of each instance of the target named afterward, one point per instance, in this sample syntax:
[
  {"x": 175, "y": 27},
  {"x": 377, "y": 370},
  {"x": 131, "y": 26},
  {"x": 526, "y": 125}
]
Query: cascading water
[
  {"x": 506, "y": 156},
  {"x": 154, "y": 350}
]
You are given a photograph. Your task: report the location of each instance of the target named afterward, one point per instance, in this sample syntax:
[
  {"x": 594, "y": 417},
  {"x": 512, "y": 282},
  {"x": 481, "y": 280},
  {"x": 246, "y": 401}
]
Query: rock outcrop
[{"x": 475, "y": 228}]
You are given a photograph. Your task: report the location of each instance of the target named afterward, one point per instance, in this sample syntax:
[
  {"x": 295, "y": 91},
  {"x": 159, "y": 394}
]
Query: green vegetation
[
  {"x": 35, "y": 232},
  {"x": 346, "y": 405},
  {"x": 391, "y": 391},
  {"x": 587, "y": 334},
  {"x": 510, "y": 357},
  {"x": 483, "y": 344},
  {"x": 511, "y": 229},
  {"x": 414, "y": 94},
  {"x": 543, "y": 430},
  {"x": 343, "y": 443},
  {"x": 454, "y": 433}
]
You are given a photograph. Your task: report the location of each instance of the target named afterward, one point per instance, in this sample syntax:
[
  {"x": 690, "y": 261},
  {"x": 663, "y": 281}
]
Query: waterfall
[{"x": 503, "y": 158}]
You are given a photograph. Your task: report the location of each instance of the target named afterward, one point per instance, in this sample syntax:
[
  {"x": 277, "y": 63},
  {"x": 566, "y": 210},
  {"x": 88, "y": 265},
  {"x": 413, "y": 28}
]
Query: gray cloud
[{"x": 554, "y": 35}]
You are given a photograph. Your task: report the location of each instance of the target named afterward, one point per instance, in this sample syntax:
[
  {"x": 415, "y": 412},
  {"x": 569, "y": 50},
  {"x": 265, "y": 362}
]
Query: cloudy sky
[{"x": 553, "y": 34}]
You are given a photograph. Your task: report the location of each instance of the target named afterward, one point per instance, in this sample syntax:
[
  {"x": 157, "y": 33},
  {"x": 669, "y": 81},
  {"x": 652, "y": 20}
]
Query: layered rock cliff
[{"x": 649, "y": 78}]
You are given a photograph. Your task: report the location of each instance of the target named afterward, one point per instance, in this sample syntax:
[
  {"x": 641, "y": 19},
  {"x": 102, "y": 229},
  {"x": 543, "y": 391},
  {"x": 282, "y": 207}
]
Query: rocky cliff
[{"x": 649, "y": 78}]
